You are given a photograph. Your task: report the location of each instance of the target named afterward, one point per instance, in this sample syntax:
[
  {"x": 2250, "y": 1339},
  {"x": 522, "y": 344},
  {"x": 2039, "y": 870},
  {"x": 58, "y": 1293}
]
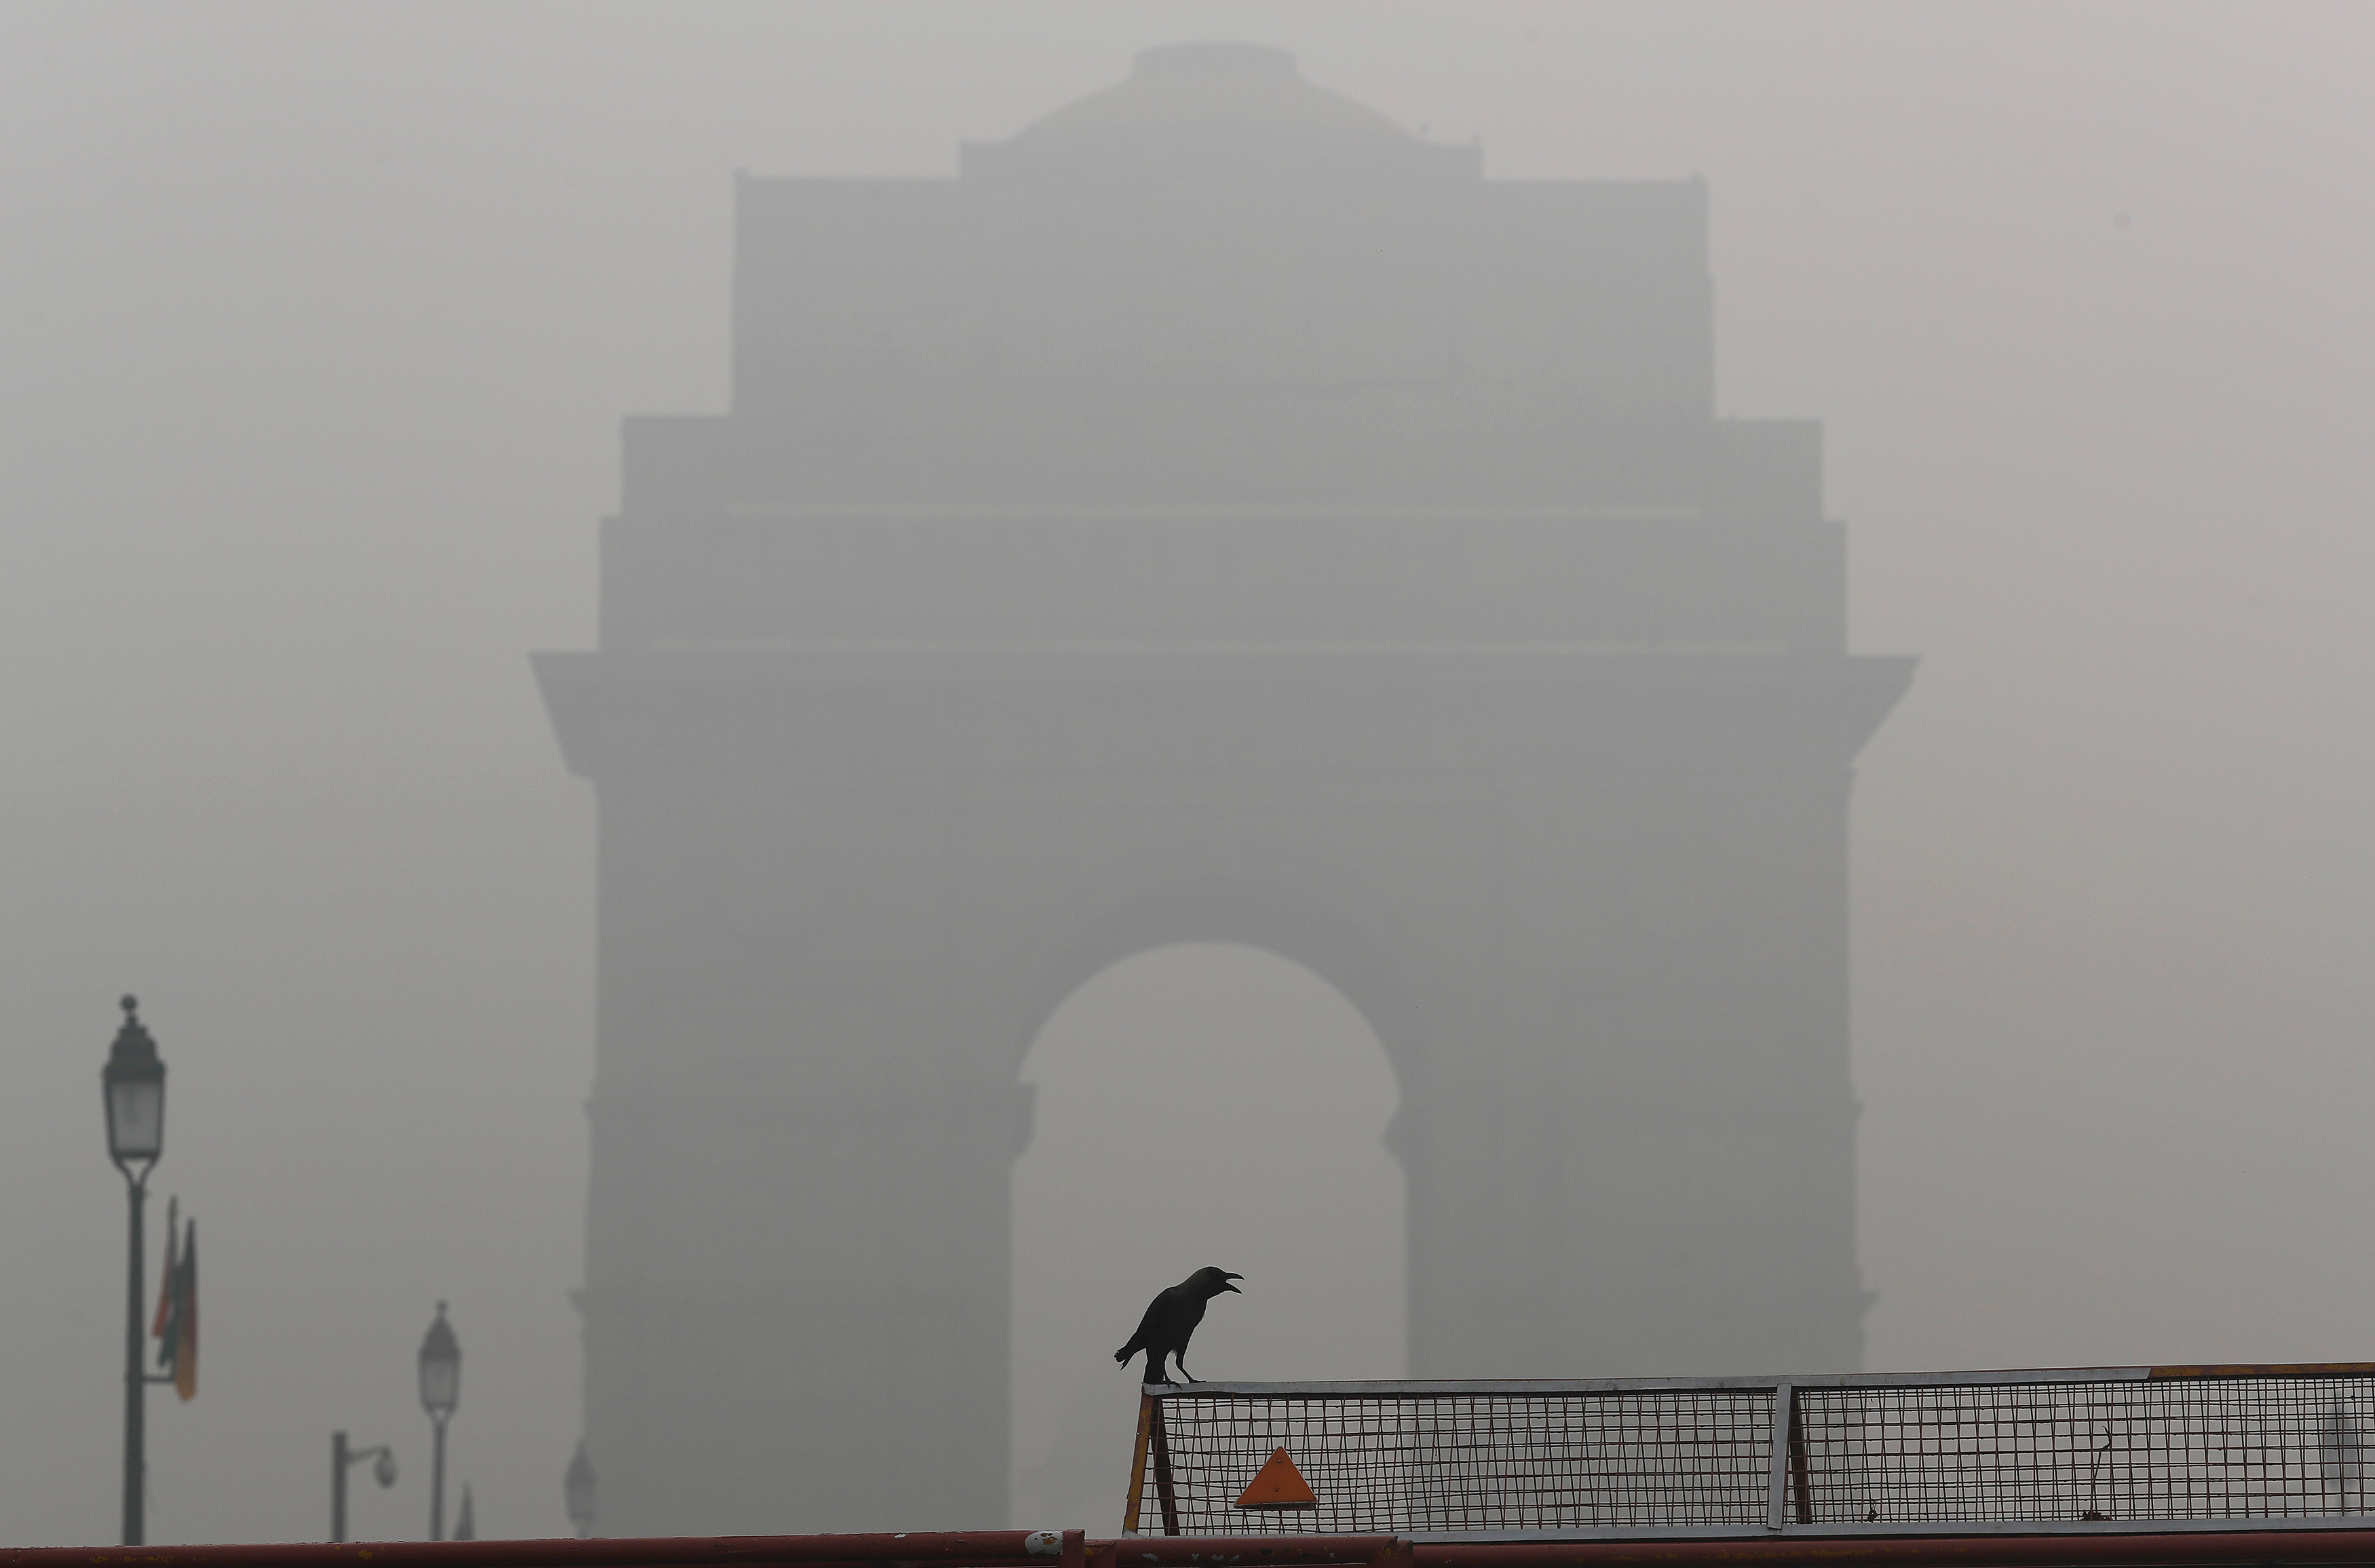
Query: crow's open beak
[{"x": 1232, "y": 1289}]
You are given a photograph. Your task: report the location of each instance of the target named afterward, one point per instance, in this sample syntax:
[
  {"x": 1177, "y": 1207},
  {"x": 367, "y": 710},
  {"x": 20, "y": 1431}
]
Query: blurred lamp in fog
[
  {"x": 441, "y": 1390},
  {"x": 579, "y": 1484},
  {"x": 133, "y": 1080},
  {"x": 131, "y": 1088},
  {"x": 383, "y": 1464}
]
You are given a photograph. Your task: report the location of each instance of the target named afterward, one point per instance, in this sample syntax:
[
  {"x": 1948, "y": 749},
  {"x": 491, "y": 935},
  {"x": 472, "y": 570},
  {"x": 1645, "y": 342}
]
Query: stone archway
[{"x": 1195, "y": 1103}]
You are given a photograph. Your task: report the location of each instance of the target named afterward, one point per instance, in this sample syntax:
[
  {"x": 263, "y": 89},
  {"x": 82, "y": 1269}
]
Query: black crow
[{"x": 1170, "y": 1319}]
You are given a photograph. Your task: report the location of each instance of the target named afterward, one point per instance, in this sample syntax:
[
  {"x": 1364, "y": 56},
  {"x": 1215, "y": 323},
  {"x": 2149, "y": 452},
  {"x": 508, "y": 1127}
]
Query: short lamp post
[
  {"x": 342, "y": 1457},
  {"x": 441, "y": 1390},
  {"x": 579, "y": 1485},
  {"x": 133, "y": 1090}
]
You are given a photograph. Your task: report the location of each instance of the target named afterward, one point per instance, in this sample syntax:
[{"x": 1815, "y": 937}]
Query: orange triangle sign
[{"x": 1279, "y": 1485}]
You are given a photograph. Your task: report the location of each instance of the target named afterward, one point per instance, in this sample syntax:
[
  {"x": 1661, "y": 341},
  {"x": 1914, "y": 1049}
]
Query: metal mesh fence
[
  {"x": 2121, "y": 1444},
  {"x": 2228, "y": 1448},
  {"x": 1399, "y": 1465}
]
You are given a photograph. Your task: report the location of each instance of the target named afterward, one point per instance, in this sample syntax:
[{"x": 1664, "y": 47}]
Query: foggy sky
[{"x": 317, "y": 327}]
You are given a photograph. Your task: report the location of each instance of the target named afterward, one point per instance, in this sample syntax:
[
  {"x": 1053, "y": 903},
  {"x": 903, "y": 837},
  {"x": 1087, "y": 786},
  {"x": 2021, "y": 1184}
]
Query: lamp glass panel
[
  {"x": 136, "y": 1118},
  {"x": 441, "y": 1382}
]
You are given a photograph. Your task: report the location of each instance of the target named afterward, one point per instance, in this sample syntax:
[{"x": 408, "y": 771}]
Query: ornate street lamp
[
  {"x": 579, "y": 1485},
  {"x": 131, "y": 1088},
  {"x": 441, "y": 1390},
  {"x": 382, "y": 1460}
]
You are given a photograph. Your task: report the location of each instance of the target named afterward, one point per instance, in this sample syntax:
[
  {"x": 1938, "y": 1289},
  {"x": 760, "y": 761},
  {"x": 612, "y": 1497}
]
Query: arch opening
[{"x": 1197, "y": 1102}]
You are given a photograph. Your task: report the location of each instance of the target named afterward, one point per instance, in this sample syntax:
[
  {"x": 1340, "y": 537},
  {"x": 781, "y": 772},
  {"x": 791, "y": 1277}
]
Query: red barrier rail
[
  {"x": 2251, "y": 1548},
  {"x": 972, "y": 1549},
  {"x": 1073, "y": 1549}
]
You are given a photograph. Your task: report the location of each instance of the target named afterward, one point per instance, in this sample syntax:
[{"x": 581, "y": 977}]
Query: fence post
[
  {"x": 1801, "y": 1486},
  {"x": 1138, "y": 1464},
  {"x": 1785, "y": 1420}
]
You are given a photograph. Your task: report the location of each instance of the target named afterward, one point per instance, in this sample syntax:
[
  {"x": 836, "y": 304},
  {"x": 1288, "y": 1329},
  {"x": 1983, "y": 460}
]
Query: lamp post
[
  {"x": 579, "y": 1486},
  {"x": 131, "y": 1088},
  {"x": 383, "y": 1471},
  {"x": 441, "y": 1390}
]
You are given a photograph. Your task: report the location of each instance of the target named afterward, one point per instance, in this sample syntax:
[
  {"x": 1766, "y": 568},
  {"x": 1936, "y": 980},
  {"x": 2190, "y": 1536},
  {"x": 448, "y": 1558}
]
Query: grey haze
[{"x": 319, "y": 326}]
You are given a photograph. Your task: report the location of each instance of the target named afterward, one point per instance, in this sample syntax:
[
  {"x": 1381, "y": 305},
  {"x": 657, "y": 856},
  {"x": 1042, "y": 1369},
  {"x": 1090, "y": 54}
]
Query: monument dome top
[{"x": 1243, "y": 85}]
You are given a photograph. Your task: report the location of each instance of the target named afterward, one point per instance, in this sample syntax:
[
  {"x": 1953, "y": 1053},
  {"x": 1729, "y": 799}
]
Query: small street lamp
[
  {"x": 579, "y": 1485},
  {"x": 131, "y": 1090},
  {"x": 341, "y": 1457},
  {"x": 441, "y": 1390}
]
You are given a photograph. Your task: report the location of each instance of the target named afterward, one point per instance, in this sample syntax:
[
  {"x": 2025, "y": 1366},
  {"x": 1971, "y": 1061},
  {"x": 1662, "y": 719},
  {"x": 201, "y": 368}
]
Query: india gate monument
[{"x": 1215, "y": 514}]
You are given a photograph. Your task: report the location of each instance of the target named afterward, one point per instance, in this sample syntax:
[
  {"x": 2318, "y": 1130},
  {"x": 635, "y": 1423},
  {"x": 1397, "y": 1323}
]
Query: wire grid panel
[
  {"x": 2214, "y": 1448},
  {"x": 2034, "y": 1449},
  {"x": 1397, "y": 1465}
]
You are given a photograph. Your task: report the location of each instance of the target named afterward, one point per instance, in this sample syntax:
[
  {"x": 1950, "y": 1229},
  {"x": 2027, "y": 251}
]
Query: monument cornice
[{"x": 620, "y": 712}]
